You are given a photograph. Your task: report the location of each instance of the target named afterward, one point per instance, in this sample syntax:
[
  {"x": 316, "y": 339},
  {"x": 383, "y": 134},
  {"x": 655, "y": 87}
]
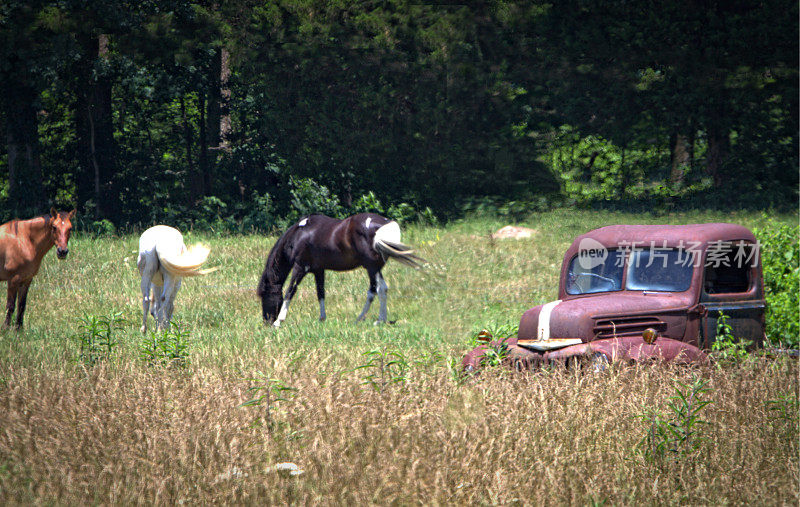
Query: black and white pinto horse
[{"x": 317, "y": 243}]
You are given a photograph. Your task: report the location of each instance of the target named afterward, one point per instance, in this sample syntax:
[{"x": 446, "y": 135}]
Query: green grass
[{"x": 163, "y": 435}]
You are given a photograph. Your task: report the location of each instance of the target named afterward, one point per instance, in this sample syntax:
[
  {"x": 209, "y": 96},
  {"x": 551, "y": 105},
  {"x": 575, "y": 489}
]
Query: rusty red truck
[{"x": 643, "y": 293}]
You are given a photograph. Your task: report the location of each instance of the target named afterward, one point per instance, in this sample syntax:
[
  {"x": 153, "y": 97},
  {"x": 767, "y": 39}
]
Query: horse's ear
[
  {"x": 53, "y": 212},
  {"x": 72, "y": 213}
]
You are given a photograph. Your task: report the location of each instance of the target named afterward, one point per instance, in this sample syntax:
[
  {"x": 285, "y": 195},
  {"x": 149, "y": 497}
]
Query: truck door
[{"x": 733, "y": 285}]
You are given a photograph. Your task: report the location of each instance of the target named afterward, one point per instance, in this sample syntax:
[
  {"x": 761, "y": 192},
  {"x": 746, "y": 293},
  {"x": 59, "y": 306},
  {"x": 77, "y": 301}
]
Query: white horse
[{"x": 163, "y": 262}]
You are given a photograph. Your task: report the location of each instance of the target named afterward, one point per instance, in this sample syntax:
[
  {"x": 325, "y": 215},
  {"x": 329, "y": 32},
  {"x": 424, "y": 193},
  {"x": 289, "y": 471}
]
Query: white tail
[
  {"x": 188, "y": 262},
  {"x": 387, "y": 242}
]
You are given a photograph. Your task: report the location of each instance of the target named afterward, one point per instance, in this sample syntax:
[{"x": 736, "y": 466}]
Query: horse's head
[
  {"x": 60, "y": 229},
  {"x": 271, "y": 300}
]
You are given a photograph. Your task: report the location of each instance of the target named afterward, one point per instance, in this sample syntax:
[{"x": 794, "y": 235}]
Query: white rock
[{"x": 290, "y": 467}]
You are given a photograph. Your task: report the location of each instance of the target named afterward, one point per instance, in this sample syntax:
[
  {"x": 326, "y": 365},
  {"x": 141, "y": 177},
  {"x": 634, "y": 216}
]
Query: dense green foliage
[
  {"x": 780, "y": 257},
  {"x": 235, "y": 113}
]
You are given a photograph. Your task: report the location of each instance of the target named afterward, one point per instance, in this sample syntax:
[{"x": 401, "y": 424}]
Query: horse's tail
[
  {"x": 387, "y": 243},
  {"x": 188, "y": 262},
  {"x": 277, "y": 267}
]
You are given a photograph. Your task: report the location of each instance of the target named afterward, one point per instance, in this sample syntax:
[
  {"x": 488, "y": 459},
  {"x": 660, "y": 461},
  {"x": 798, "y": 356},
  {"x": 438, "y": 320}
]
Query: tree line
[{"x": 248, "y": 111}]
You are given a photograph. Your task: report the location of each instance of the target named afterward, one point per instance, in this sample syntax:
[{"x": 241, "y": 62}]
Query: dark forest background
[{"x": 241, "y": 115}]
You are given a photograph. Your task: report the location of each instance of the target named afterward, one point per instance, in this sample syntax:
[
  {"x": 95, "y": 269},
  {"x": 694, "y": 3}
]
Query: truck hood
[{"x": 606, "y": 315}]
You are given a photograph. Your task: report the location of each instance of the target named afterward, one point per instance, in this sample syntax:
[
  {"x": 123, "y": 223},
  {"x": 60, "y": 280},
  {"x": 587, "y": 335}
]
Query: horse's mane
[
  {"x": 277, "y": 267},
  {"x": 13, "y": 224}
]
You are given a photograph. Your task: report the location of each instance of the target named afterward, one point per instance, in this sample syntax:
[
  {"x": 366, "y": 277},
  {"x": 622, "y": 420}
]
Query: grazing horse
[
  {"x": 317, "y": 243},
  {"x": 23, "y": 245},
  {"x": 163, "y": 262}
]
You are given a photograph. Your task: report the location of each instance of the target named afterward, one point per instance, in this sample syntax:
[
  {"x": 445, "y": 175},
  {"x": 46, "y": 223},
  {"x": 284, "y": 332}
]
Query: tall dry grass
[{"x": 125, "y": 432}]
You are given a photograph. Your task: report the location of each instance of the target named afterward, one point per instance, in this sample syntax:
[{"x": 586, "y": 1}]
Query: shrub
[
  {"x": 211, "y": 213},
  {"x": 402, "y": 212},
  {"x": 780, "y": 257},
  {"x": 512, "y": 210},
  {"x": 260, "y": 214},
  {"x": 426, "y": 217},
  {"x": 367, "y": 203},
  {"x": 308, "y": 196},
  {"x": 101, "y": 228}
]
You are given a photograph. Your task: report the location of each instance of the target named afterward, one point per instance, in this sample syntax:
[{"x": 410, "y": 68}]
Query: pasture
[{"x": 371, "y": 414}]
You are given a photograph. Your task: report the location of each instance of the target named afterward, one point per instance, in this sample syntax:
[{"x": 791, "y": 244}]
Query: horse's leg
[
  {"x": 370, "y": 294},
  {"x": 171, "y": 299},
  {"x": 146, "y": 270},
  {"x": 22, "y": 301},
  {"x": 383, "y": 289},
  {"x": 319, "y": 277},
  {"x": 155, "y": 299},
  {"x": 298, "y": 272},
  {"x": 161, "y": 301},
  {"x": 11, "y": 301},
  {"x": 145, "y": 286},
  {"x": 166, "y": 304}
]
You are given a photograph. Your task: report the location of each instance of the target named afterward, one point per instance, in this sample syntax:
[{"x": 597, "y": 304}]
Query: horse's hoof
[
  {"x": 143, "y": 329},
  {"x": 276, "y": 324}
]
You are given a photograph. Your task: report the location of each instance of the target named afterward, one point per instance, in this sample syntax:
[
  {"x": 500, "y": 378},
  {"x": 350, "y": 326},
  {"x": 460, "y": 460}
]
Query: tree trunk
[
  {"x": 214, "y": 118},
  {"x": 25, "y": 190},
  {"x": 225, "y": 98},
  {"x": 95, "y": 130},
  {"x": 718, "y": 145},
  {"x": 213, "y": 109},
  {"x": 681, "y": 160},
  {"x": 204, "y": 163},
  {"x": 195, "y": 183}
]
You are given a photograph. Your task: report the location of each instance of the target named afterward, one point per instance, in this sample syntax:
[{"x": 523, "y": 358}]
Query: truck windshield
[
  {"x": 661, "y": 269},
  {"x": 586, "y": 276}
]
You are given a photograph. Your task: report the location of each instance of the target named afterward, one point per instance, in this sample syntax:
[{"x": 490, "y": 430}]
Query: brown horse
[
  {"x": 23, "y": 245},
  {"x": 317, "y": 243}
]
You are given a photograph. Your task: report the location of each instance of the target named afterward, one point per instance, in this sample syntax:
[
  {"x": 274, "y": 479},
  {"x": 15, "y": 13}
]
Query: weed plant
[
  {"x": 680, "y": 432},
  {"x": 267, "y": 392},
  {"x": 384, "y": 368},
  {"x": 168, "y": 347},
  {"x": 727, "y": 348},
  {"x": 96, "y": 338}
]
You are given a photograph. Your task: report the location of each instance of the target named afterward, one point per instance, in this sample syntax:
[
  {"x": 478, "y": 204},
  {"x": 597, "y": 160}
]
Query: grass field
[{"x": 374, "y": 414}]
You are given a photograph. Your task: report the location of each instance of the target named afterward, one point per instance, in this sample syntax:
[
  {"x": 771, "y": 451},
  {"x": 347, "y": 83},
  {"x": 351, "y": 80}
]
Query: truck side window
[{"x": 728, "y": 269}]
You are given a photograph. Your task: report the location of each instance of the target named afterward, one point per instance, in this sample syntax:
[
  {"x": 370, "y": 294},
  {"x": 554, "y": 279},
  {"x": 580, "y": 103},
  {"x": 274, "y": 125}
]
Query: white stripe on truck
[{"x": 543, "y": 333}]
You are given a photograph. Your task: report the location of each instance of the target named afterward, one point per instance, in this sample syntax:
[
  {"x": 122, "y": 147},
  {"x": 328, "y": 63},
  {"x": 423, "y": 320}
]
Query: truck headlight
[{"x": 649, "y": 335}]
